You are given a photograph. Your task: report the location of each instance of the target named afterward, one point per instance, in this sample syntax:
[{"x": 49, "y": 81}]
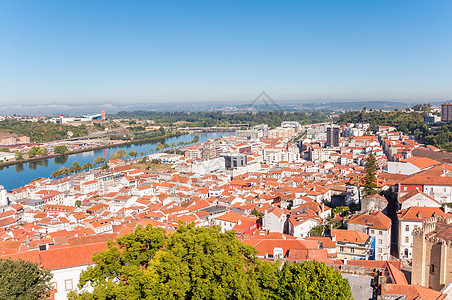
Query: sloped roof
[{"x": 376, "y": 220}]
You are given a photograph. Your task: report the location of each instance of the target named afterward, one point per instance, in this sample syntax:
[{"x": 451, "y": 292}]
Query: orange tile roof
[
  {"x": 349, "y": 236},
  {"x": 416, "y": 213},
  {"x": 376, "y": 220},
  {"x": 421, "y": 162}
]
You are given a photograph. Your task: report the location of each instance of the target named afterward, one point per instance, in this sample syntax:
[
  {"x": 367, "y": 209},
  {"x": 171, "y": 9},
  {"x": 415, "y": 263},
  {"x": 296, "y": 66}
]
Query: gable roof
[
  {"x": 375, "y": 220},
  {"x": 412, "y": 194}
]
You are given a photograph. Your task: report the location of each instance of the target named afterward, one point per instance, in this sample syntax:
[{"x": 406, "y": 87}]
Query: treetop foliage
[
  {"x": 407, "y": 122},
  {"x": 23, "y": 280},
  {"x": 208, "y": 119},
  {"x": 200, "y": 263}
]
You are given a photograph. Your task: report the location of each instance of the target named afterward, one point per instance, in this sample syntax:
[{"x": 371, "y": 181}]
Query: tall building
[
  {"x": 432, "y": 249},
  {"x": 332, "y": 136},
  {"x": 103, "y": 115},
  {"x": 446, "y": 112}
]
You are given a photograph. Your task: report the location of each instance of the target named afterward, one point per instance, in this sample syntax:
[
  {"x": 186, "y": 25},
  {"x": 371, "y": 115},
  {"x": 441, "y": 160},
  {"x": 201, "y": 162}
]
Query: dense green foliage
[
  {"x": 120, "y": 154},
  {"x": 36, "y": 151},
  {"x": 87, "y": 166},
  {"x": 370, "y": 180},
  {"x": 40, "y": 131},
  {"x": 208, "y": 119},
  {"x": 99, "y": 160},
  {"x": 3, "y": 149},
  {"x": 23, "y": 280},
  {"x": 408, "y": 122},
  {"x": 312, "y": 280},
  {"x": 62, "y": 149},
  {"x": 201, "y": 263}
]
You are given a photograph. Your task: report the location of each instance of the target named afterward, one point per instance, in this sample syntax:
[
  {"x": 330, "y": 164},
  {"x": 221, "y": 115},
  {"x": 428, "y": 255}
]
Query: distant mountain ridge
[{"x": 237, "y": 106}]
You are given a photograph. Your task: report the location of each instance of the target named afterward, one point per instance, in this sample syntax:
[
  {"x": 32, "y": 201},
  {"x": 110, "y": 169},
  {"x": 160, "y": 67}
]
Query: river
[{"x": 18, "y": 175}]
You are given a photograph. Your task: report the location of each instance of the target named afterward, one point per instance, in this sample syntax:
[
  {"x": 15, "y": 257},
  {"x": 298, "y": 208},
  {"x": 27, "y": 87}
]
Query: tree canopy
[
  {"x": 370, "y": 180},
  {"x": 99, "y": 160},
  {"x": 23, "y": 280},
  {"x": 199, "y": 263},
  {"x": 62, "y": 149}
]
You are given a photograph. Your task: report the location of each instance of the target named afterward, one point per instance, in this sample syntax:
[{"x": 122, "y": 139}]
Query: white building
[
  {"x": 409, "y": 219},
  {"x": 208, "y": 166},
  {"x": 274, "y": 220},
  {"x": 3, "y": 196}
]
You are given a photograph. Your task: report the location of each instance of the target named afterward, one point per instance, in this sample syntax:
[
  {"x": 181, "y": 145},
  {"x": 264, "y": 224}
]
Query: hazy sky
[{"x": 156, "y": 51}]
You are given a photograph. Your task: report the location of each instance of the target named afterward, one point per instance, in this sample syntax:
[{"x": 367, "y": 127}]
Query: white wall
[{"x": 61, "y": 275}]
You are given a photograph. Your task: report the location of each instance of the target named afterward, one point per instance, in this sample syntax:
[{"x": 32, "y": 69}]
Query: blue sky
[{"x": 160, "y": 51}]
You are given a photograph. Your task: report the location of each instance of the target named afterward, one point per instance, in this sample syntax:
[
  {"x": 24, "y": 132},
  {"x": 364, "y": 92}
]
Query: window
[
  {"x": 68, "y": 284},
  {"x": 380, "y": 241},
  {"x": 404, "y": 188},
  {"x": 341, "y": 249},
  {"x": 372, "y": 231},
  {"x": 380, "y": 250},
  {"x": 380, "y": 232},
  {"x": 407, "y": 227},
  {"x": 407, "y": 240},
  {"x": 352, "y": 250},
  {"x": 432, "y": 269}
]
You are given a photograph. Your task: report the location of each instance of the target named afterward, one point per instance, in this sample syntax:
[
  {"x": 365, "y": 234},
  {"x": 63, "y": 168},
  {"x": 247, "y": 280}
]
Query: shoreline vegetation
[{"x": 49, "y": 156}]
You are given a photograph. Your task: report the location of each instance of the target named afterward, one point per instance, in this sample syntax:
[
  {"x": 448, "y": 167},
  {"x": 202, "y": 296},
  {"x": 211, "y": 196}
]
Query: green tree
[
  {"x": 87, "y": 166},
  {"x": 317, "y": 230},
  {"x": 62, "y": 149},
  {"x": 4, "y": 149},
  {"x": 23, "y": 280},
  {"x": 78, "y": 203},
  {"x": 63, "y": 171},
  {"x": 120, "y": 154},
  {"x": 159, "y": 146},
  {"x": 192, "y": 263},
  {"x": 34, "y": 151},
  {"x": 18, "y": 155},
  {"x": 312, "y": 280},
  {"x": 75, "y": 167},
  {"x": 370, "y": 180},
  {"x": 99, "y": 160},
  {"x": 196, "y": 139},
  {"x": 200, "y": 263},
  {"x": 162, "y": 130},
  {"x": 257, "y": 213},
  {"x": 104, "y": 166}
]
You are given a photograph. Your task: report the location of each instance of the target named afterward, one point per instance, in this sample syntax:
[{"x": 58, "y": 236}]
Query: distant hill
[{"x": 233, "y": 106}]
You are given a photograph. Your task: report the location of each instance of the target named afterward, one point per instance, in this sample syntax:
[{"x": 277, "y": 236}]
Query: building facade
[{"x": 432, "y": 253}]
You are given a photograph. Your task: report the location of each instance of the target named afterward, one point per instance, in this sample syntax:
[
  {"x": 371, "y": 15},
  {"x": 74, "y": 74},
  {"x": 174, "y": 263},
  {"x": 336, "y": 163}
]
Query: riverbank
[{"x": 118, "y": 144}]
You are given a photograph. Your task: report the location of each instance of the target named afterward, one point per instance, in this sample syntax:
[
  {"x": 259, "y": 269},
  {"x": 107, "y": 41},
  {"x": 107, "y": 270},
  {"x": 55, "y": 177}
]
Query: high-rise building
[
  {"x": 332, "y": 136},
  {"x": 446, "y": 112},
  {"x": 103, "y": 115}
]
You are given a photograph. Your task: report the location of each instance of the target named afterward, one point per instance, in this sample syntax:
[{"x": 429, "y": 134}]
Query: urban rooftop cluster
[{"x": 295, "y": 193}]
